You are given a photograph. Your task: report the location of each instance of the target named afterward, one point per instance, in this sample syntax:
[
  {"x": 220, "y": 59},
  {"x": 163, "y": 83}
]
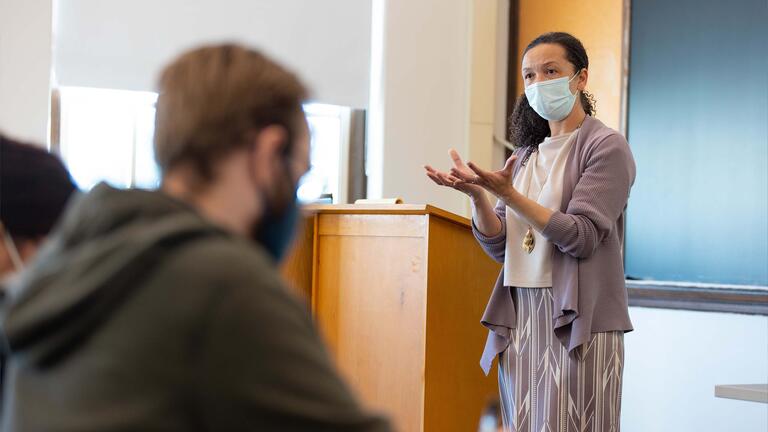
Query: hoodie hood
[{"x": 109, "y": 241}]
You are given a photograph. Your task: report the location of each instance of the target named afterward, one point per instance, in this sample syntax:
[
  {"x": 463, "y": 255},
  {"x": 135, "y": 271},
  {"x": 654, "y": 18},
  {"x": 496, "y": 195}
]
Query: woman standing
[{"x": 558, "y": 312}]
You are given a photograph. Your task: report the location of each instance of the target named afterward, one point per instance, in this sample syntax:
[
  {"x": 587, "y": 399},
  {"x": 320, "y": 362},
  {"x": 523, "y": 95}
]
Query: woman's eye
[
  {"x": 551, "y": 71},
  {"x": 528, "y": 76}
]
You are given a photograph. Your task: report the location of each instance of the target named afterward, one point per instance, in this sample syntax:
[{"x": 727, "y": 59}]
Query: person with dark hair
[
  {"x": 559, "y": 310},
  {"x": 164, "y": 310},
  {"x": 35, "y": 187}
]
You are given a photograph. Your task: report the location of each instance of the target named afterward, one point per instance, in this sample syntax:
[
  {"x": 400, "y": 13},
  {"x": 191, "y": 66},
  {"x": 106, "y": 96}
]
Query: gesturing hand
[
  {"x": 499, "y": 183},
  {"x": 452, "y": 181}
]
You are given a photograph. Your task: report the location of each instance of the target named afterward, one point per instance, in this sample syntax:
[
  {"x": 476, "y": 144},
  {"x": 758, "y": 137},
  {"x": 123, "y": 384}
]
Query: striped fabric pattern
[{"x": 543, "y": 388}]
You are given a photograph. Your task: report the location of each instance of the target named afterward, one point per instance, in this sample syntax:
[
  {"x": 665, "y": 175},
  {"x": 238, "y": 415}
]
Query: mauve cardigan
[{"x": 588, "y": 285}]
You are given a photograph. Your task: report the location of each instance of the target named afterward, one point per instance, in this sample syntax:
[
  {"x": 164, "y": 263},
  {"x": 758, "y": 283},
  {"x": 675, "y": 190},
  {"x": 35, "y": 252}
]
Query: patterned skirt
[{"x": 543, "y": 387}]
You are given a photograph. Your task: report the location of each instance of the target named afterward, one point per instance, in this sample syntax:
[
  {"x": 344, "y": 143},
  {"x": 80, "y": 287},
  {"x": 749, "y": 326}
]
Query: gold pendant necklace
[{"x": 529, "y": 241}]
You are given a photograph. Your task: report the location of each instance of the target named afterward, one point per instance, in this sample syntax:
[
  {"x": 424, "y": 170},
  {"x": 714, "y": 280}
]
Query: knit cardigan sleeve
[
  {"x": 494, "y": 246},
  {"x": 598, "y": 198}
]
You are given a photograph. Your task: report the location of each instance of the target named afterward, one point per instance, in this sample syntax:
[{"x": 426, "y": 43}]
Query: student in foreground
[{"x": 164, "y": 310}]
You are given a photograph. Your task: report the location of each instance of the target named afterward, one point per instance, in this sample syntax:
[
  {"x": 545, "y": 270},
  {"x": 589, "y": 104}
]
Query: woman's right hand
[{"x": 446, "y": 179}]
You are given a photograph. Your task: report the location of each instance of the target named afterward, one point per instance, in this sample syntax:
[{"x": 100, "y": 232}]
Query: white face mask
[
  {"x": 13, "y": 252},
  {"x": 552, "y": 99}
]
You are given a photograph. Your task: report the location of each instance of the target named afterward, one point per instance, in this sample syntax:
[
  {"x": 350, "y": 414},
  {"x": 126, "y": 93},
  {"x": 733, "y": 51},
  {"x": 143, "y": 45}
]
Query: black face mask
[{"x": 281, "y": 213}]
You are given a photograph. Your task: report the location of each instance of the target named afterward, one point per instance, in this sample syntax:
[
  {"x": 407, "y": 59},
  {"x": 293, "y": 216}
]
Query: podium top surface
[{"x": 388, "y": 209}]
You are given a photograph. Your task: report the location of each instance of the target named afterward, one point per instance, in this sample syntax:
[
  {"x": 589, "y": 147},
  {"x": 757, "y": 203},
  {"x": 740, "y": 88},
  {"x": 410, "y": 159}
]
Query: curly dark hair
[{"x": 527, "y": 129}]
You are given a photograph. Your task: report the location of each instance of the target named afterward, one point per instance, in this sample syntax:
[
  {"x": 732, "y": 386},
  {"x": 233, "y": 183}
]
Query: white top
[{"x": 541, "y": 179}]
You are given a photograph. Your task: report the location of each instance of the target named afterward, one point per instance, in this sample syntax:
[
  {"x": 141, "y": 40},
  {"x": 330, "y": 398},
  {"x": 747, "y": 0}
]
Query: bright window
[
  {"x": 329, "y": 135},
  {"x": 106, "y": 135}
]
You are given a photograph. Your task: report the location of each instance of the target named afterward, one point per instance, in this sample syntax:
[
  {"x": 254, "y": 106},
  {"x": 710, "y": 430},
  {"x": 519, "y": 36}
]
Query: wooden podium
[{"x": 398, "y": 292}]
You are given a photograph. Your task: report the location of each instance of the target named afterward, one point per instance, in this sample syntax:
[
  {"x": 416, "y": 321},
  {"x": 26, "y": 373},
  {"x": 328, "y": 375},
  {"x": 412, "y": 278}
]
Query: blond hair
[{"x": 213, "y": 98}]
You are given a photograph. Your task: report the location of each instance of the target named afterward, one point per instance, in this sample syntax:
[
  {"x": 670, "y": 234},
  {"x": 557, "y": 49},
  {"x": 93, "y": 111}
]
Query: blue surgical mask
[
  {"x": 275, "y": 231},
  {"x": 552, "y": 99}
]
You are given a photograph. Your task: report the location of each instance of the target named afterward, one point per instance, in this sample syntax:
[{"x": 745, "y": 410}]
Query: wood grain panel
[
  {"x": 370, "y": 306},
  {"x": 297, "y": 266},
  {"x": 604, "y": 45},
  {"x": 387, "y": 209},
  {"x": 372, "y": 225},
  {"x": 461, "y": 278}
]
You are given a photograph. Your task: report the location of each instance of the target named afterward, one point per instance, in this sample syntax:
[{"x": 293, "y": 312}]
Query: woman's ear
[{"x": 582, "y": 80}]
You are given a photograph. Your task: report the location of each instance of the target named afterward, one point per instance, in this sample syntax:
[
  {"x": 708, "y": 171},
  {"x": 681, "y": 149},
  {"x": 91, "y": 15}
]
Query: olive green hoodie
[{"x": 141, "y": 315}]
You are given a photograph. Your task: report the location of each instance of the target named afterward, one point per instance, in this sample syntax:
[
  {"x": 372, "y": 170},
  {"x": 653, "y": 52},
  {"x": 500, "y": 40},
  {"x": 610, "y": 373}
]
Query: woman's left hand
[{"x": 499, "y": 183}]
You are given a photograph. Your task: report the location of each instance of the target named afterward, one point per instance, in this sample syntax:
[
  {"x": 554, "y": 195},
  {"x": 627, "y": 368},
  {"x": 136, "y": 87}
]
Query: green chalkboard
[{"x": 698, "y": 128}]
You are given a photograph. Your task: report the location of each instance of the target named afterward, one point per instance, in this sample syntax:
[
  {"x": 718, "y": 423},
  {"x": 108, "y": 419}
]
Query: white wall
[
  {"x": 675, "y": 358},
  {"x": 25, "y": 68},
  {"x": 415, "y": 59},
  {"x": 125, "y": 44},
  {"x": 419, "y": 108},
  {"x": 500, "y": 130},
  {"x": 488, "y": 98}
]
